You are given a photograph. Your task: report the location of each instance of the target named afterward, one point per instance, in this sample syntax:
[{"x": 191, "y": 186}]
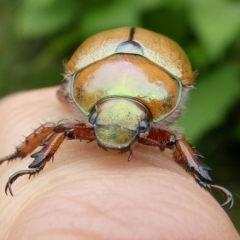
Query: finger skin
[{"x": 89, "y": 193}]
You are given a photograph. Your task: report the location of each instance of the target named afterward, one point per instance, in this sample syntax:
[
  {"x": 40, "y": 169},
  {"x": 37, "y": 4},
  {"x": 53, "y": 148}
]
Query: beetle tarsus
[
  {"x": 130, "y": 154},
  {"x": 224, "y": 191},
  {"x": 8, "y": 187},
  {"x": 12, "y": 157},
  {"x": 227, "y": 194},
  {"x": 201, "y": 183},
  {"x": 18, "y": 174}
]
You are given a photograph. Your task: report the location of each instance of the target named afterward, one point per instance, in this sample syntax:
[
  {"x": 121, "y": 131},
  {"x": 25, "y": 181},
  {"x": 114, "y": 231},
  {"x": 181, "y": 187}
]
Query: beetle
[{"x": 127, "y": 85}]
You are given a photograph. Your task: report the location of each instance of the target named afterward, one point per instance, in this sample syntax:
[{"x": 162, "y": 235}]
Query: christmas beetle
[{"x": 128, "y": 85}]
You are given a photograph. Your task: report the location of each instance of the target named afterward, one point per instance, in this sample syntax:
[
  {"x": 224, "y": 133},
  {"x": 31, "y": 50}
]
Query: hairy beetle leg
[
  {"x": 49, "y": 136},
  {"x": 187, "y": 156},
  {"x": 184, "y": 153},
  {"x": 40, "y": 159}
]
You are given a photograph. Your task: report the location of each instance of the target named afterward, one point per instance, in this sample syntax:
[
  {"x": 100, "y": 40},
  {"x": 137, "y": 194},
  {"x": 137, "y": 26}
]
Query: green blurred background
[{"x": 36, "y": 36}]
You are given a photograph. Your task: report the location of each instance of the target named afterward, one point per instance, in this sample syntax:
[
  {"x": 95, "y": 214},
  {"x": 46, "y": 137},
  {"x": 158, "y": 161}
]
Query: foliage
[{"x": 37, "y": 35}]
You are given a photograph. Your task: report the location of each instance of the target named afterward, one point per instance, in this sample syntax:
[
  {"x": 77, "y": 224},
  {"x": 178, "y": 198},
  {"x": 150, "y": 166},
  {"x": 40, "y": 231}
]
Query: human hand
[{"x": 89, "y": 193}]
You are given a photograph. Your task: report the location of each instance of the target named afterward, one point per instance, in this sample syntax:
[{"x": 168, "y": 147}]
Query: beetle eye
[
  {"x": 93, "y": 117},
  {"x": 144, "y": 126}
]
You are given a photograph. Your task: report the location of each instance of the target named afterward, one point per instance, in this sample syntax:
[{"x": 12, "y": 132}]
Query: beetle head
[{"x": 117, "y": 121}]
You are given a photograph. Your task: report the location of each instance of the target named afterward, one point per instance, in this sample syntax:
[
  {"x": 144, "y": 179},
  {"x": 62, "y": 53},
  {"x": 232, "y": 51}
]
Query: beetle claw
[
  {"x": 209, "y": 187},
  {"x": 228, "y": 194},
  {"x": 8, "y": 187},
  {"x": 130, "y": 154}
]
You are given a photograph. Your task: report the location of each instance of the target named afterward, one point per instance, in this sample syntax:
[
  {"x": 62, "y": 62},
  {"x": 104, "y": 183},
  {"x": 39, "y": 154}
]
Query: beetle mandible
[{"x": 128, "y": 85}]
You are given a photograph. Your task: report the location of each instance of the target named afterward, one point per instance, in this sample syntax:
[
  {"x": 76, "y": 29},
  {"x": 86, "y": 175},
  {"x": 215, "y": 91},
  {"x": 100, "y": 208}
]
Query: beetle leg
[
  {"x": 31, "y": 142},
  {"x": 53, "y": 142},
  {"x": 187, "y": 156},
  {"x": 49, "y": 136},
  {"x": 76, "y": 131},
  {"x": 130, "y": 154},
  {"x": 41, "y": 157},
  {"x": 157, "y": 138},
  {"x": 184, "y": 153}
]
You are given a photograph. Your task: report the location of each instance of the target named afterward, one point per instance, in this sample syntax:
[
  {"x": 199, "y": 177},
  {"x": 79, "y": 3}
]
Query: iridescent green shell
[{"x": 130, "y": 63}]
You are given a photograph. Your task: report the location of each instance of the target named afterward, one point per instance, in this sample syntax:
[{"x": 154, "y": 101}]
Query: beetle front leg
[
  {"x": 50, "y": 143},
  {"x": 184, "y": 153},
  {"x": 187, "y": 156},
  {"x": 31, "y": 142},
  {"x": 50, "y": 146}
]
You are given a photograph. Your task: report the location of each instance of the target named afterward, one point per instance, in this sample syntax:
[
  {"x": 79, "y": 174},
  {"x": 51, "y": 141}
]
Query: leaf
[
  {"x": 116, "y": 14},
  {"x": 42, "y": 18},
  {"x": 216, "y": 24},
  {"x": 210, "y": 102}
]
